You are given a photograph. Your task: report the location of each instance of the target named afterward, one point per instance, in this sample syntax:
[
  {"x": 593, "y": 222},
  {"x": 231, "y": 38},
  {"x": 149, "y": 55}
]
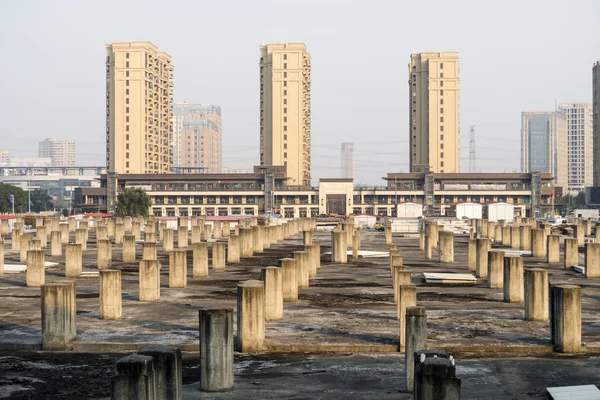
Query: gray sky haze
[{"x": 514, "y": 56}]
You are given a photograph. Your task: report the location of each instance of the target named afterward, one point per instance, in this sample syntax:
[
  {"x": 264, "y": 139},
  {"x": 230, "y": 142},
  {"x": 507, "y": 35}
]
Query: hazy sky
[{"x": 514, "y": 56}]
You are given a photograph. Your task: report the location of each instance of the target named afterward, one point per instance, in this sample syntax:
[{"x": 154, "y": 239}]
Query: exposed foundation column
[
  {"x": 218, "y": 256},
  {"x": 64, "y": 232},
  {"x": 536, "y": 295},
  {"x": 400, "y": 277},
  {"x": 168, "y": 370},
  {"x": 338, "y": 247},
  {"x": 119, "y": 233},
  {"x": 257, "y": 239},
  {"x": 149, "y": 280},
  {"x": 578, "y": 233},
  {"x": 428, "y": 247},
  {"x": 483, "y": 247},
  {"x": 217, "y": 229},
  {"x": 182, "y": 237},
  {"x": 308, "y": 237},
  {"x": 416, "y": 339},
  {"x": 200, "y": 260},
  {"x": 525, "y": 232},
  {"x": 273, "y": 281},
  {"x": 553, "y": 249},
  {"x": 135, "y": 378},
  {"x": 56, "y": 244},
  {"x": 42, "y": 235},
  {"x": 110, "y": 294},
  {"x": 58, "y": 315},
  {"x": 233, "y": 249},
  {"x": 472, "y": 255},
  {"x": 388, "y": 232},
  {"x": 104, "y": 253},
  {"x": 24, "y": 246},
  {"x": 225, "y": 228},
  {"x": 506, "y": 232},
  {"x": 149, "y": 251},
  {"x": 565, "y": 323},
  {"x": 301, "y": 258},
  {"x": 571, "y": 252},
  {"x": 515, "y": 237},
  {"x": 246, "y": 237},
  {"x": 514, "y": 289},
  {"x": 128, "y": 248},
  {"x": 498, "y": 233},
  {"x": 36, "y": 269},
  {"x": 446, "y": 247},
  {"x": 216, "y": 349},
  {"x": 73, "y": 260},
  {"x": 495, "y": 269},
  {"x": 313, "y": 254},
  {"x": 538, "y": 243},
  {"x": 178, "y": 269},
  {"x": 168, "y": 240},
  {"x": 592, "y": 260},
  {"x": 196, "y": 234},
  {"x": 207, "y": 232},
  {"x": 289, "y": 279},
  {"x": 81, "y": 238},
  {"x": 407, "y": 297},
  {"x": 422, "y": 240},
  {"x": 250, "y": 316},
  {"x": 136, "y": 230}
]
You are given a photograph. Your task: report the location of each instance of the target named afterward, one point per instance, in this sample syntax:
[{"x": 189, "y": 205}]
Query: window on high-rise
[{"x": 441, "y": 65}]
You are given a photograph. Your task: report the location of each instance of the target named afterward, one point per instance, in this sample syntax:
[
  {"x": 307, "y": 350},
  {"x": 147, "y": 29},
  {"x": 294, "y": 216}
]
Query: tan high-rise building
[
  {"x": 434, "y": 112},
  {"x": 596, "y": 118},
  {"x": 61, "y": 152},
  {"x": 197, "y": 136},
  {"x": 580, "y": 145},
  {"x": 285, "y": 109},
  {"x": 139, "y": 89}
]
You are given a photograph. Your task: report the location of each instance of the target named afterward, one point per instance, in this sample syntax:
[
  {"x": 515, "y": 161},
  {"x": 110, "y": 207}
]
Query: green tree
[
  {"x": 20, "y": 198},
  {"x": 133, "y": 202},
  {"x": 40, "y": 201}
]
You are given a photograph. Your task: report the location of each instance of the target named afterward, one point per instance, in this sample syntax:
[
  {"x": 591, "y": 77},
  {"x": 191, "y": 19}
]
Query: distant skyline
[{"x": 515, "y": 56}]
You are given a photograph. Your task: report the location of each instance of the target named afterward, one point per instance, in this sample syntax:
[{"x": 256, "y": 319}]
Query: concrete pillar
[
  {"x": 422, "y": 240},
  {"x": 196, "y": 234},
  {"x": 435, "y": 376},
  {"x": 225, "y": 228},
  {"x": 233, "y": 249},
  {"x": 104, "y": 253},
  {"x": 538, "y": 243},
  {"x": 168, "y": 240},
  {"x": 149, "y": 251},
  {"x": 71, "y": 224},
  {"x": 217, "y": 228},
  {"x": 491, "y": 230},
  {"x": 388, "y": 233},
  {"x": 571, "y": 252},
  {"x": 16, "y": 239},
  {"x": 289, "y": 279},
  {"x": 592, "y": 260},
  {"x": 110, "y": 225},
  {"x": 64, "y": 233},
  {"x": 218, "y": 256},
  {"x": 435, "y": 235},
  {"x": 317, "y": 254},
  {"x": 484, "y": 228},
  {"x": 339, "y": 248},
  {"x": 110, "y": 294},
  {"x": 446, "y": 247},
  {"x": 178, "y": 269},
  {"x": 24, "y": 246},
  {"x": 515, "y": 237},
  {"x": 273, "y": 282},
  {"x": 182, "y": 237},
  {"x": 101, "y": 232},
  {"x": 56, "y": 244},
  {"x": 246, "y": 238},
  {"x": 416, "y": 339},
  {"x": 216, "y": 349},
  {"x": 135, "y": 379},
  {"x": 1, "y": 257},
  {"x": 514, "y": 289},
  {"x": 42, "y": 236},
  {"x": 168, "y": 370},
  {"x": 136, "y": 230},
  {"x": 58, "y": 315},
  {"x": 498, "y": 233},
  {"x": 495, "y": 274},
  {"x": 536, "y": 295},
  {"x": 565, "y": 318},
  {"x": 200, "y": 260},
  {"x": 301, "y": 258},
  {"x": 149, "y": 280},
  {"x": 407, "y": 297},
  {"x": 472, "y": 255},
  {"x": 483, "y": 247},
  {"x": 307, "y": 236},
  {"x": 553, "y": 249},
  {"x": 119, "y": 233},
  {"x": 399, "y": 278},
  {"x": 81, "y": 238},
  {"x": 128, "y": 248},
  {"x": 250, "y": 316},
  {"x": 73, "y": 260},
  {"x": 525, "y": 233},
  {"x": 395, "y": 260},
  {"x": 36, "y": 270},
  {"x": 150, "y": 237},
  {"x": 207, "y": 232},
  {"x": 428, "y": 247},
  {"x": 257, "y": 240},
  {"x": 578, "y": 233},
  {"x": 506, "y": 232},
  {"x": 312, "y": 251}
]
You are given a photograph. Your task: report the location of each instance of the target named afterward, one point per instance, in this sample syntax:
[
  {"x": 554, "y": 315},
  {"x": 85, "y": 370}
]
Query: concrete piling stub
[
  {"x": 289, "y": 279},
  {"x": 407, "y": 297},
  {"x": 149, "y": 251},
  {"x": 553, "y": 249},
  {"x": 514, "y": 288},
  {"x": 435, "y": 376},
  {"x": 525, "y": 231},
  {"x": 536, "y": 295},
  {"x": 42, "y": 235},
  {"x": 446, "y": 247},
  {"x": 36, "y": 269},
  {"x": 182, "y": 237},
  {"x": 233, "y": 249},
  {"x": 104, "y": 253},
  {"x": 472, "y": 255},
  {"x": 56, "y": 244},
  {"x": 149, "y": 280},
  {"x": 168, "y": 371},
  {"x": 592, "y": 260},
  {"x": 218, "y": 256},
  {"x": 216, "y": 349},
  {"x": 110, "y": 294},
  {"x": 73, "y": 260},
  {"x": 515, "y": 237},
  {"x": 538, "y": 243},
  {"x": 416, "y": 339},
  {"x": 58, "y": 315},
  {"x": 571, "y": 253},
  {"x": 308, "y": 237},
  {"x": 178, "y": 269},
  {"x": 200, "y": 260},
  {"x": 483, "y": 247},
  {"x": 250, "y": 316},
  {"x": 313, "y": 254},
  {"x": 428, "y": 247},
  {"x": 506, "y": 236},
  {"x": 129, "y": 248},
  {"x": 64, "y": 232},
  {"x": 565, "y": 318},
  {"x": 196, "y": 234},
  {"x": 273, "y": 281},
  {"x": 302, "y": 273},
  {"x": 168, "y": 240},
  {"x": 578, "y": 233},
  {"x": 495, "y": 275},
  {"x": 339, "y": 249},
  {"x": 400, "y": 277},
  {"x": 134, "y": 379}
]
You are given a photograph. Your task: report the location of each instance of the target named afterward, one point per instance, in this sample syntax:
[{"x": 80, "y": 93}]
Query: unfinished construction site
[{"x": 298, "y": 309}]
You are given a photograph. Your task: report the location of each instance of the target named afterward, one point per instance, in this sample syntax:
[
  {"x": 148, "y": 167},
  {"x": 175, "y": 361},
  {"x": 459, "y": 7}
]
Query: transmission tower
[{"x": 472, "y": 164}]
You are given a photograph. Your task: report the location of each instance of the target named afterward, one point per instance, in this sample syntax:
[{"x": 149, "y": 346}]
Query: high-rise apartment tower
[
  {"x": 580, "y": 145},
  {"x": 434, "y": 112},
  {"x": 596, "y": 119},
  {"x": 285, "y": 109},
  {"x": 347, "y": 158},
  {"x": 139, "y": 90},
  {"x": 544, "y": 144},
  {"x": 197, "y": 136},
  {"x": 61, "y": 152}
]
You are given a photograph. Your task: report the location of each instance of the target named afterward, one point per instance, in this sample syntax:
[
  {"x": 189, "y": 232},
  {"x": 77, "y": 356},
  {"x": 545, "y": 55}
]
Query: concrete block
[
  {"x": 250, "y": 316},
  {"x": 273, "y": 282},
  {"x": 110, "y": 294},
  {"x": 168, "y": 371},
  {"x": 216, "y": 349},
  {"x": 289, "y": 279},
  {"x": 536, "y": 295},
  {"x": 58, "y": 315},
  {"x": 149, "y": 280}
]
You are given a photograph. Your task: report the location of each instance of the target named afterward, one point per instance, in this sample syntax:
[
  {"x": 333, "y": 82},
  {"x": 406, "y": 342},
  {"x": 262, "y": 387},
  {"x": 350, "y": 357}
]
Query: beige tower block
[
  {"x": 200, "y": 260},
  {"x": 250, "y": 316},
  {"x": 289, "y": 279},
  {"x": 149, "y": 280},
  {"x": 110, "y": 294},
  {"x": 273, "y": 282},
  {"x": 73, "y": 260}
]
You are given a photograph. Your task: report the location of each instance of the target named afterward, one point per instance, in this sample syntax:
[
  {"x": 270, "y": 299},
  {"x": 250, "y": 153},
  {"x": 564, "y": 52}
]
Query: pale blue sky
[{"x": 515, "y": 56}]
